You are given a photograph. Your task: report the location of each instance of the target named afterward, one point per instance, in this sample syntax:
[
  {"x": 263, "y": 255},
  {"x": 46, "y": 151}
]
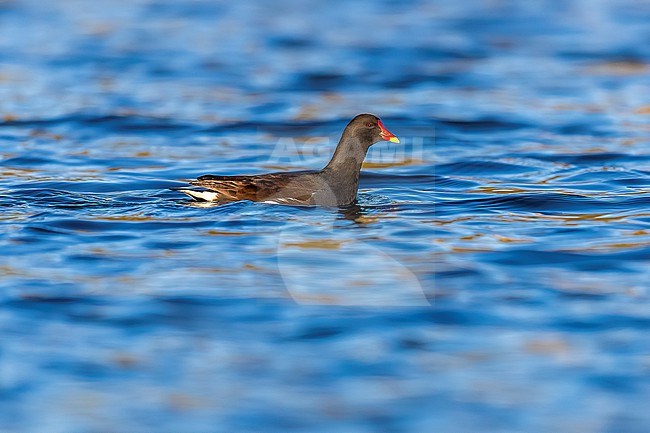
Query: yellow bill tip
[{"x": 393, "y": 139}]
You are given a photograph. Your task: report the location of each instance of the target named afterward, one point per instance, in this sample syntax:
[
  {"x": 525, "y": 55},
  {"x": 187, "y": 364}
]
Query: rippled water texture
[{"x": 493, "y": 277}]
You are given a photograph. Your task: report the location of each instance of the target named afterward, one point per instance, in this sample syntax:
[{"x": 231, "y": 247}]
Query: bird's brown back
[{"x": 302, "y": 187}]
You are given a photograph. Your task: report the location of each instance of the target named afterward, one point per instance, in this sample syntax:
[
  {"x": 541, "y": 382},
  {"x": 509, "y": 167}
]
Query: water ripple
[{"x": 499, "y": 252}]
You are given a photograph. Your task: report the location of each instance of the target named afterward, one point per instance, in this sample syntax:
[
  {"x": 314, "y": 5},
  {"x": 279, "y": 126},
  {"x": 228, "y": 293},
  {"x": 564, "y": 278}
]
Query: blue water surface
[{"x": 493, "y": 277}]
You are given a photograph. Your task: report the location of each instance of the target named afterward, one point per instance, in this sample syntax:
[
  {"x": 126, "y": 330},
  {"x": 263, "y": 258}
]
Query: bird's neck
[
  {"x": 342, "y": 172},
  {"x": 347, "y": 159}
]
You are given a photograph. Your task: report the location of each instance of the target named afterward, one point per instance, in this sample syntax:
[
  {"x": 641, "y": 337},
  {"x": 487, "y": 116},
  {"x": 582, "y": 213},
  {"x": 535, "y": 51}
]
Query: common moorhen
[{"x": 334, "y": 185}]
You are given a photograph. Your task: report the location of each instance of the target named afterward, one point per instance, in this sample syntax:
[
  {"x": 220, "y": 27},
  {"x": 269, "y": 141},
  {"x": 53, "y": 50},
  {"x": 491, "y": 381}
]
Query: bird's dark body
[
  {"x": 334, "y": 185},
  {"x": 298, "y": 187}
]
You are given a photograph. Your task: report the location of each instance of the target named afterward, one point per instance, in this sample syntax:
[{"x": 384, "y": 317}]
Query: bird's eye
[{"x": 370, "y": 124}]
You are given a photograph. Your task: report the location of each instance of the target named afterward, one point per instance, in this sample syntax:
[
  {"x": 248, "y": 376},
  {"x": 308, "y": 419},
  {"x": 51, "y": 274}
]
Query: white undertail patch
[{"x": 201, "y": 195}]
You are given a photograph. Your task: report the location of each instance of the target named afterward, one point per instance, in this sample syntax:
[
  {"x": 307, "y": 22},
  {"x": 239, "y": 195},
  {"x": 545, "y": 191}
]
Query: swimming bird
[{"x": 335, "y": 185}]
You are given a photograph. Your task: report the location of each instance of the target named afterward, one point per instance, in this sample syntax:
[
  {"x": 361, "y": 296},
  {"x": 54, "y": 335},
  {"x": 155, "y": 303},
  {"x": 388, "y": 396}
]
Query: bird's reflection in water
[
  {"x": 351, "y": 212},
  {"x": 361, "y": 214}
]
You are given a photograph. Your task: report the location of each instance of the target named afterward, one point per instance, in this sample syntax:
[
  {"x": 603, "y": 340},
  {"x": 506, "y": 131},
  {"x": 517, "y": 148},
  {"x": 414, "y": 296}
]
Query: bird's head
[{"x": 369, "y": 129}]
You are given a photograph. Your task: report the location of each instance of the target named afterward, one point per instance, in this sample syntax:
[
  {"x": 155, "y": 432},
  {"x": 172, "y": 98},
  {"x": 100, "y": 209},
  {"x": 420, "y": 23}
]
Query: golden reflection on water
[
  {"x": 499, "y": 190},
  {"x": 621, "y": 67},
  {"x": 226, "y": 233},
  {"x": 402, "y": 163},
  {"x": 15, "y": 216},
  {"x": 319, "y": 244},
  {"x": 137, "y": 218},
  {"x": 18, "y": 172}
]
